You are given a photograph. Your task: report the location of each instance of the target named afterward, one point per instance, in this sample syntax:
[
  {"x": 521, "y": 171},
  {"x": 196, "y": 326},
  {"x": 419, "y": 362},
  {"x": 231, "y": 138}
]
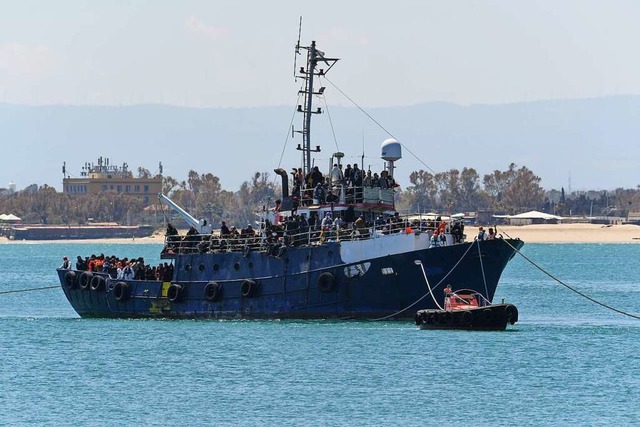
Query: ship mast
[{"x": 314, "y": 56}]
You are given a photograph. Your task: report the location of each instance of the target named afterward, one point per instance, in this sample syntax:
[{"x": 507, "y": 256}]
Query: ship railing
[
  {"x": 349, "y": 195},
  {"x": 305, "y": 236}
]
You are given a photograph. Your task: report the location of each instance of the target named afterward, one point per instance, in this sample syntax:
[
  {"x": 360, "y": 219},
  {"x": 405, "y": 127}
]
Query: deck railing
[{"x": 271, "y": 240}]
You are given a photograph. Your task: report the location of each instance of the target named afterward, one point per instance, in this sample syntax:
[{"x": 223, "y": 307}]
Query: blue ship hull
[{"x": 311, "y": 282}]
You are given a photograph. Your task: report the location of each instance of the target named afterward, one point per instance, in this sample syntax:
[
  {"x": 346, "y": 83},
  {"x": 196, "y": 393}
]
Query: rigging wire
[
  {"x": 571, "y": 288},
  {"x": 430, "y": 289},
  {"x": 333, "y": 131},
  {"x": 293, "y": 116},
  {"x": 379, "y": 125},
  {"x": 28, "y": 289}
]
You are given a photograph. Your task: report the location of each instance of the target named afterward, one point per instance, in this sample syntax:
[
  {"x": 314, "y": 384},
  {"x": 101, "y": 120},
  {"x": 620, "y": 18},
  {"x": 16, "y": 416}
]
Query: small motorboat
[{"x": 467, "y": 309}]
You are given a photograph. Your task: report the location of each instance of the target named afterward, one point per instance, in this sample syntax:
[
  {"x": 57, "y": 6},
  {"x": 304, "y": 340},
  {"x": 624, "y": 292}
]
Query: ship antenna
[
  {"x": 297, "y": 52},
  {"x": 313, "y": 57}
]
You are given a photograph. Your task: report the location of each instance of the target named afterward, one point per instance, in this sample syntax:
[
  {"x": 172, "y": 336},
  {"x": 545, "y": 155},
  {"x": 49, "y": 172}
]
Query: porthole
[
  {"x": 216, "y": 267},
  {"x": 236, "y": 266},
  {"x": 201, "y": 267},
  {"x": 330, "y": 253},
  {"x": 187, "y": 267},
  {"x": 250, "y": 265}
]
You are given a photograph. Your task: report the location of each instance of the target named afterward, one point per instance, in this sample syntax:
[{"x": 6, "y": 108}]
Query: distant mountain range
[{"x": 577, "y": 144}]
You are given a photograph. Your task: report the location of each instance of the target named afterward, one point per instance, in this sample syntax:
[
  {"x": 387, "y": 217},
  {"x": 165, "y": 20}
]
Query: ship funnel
[{"x": 285, "y": 181}]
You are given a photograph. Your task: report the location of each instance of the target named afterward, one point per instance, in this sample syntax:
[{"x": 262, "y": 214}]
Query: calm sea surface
[{"x": 567, "y": 361}]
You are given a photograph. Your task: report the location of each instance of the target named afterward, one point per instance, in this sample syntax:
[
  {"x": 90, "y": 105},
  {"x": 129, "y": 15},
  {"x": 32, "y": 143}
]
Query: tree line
[{"x": 514, "y": 190}]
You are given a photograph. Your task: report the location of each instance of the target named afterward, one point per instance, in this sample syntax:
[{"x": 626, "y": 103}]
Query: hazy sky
[
  {"x": 207, "y": 53},
  {"x": 239, "y": 53}
]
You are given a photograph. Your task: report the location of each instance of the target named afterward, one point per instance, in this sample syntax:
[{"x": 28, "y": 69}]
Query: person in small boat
[{"x": 447, "y": 290}]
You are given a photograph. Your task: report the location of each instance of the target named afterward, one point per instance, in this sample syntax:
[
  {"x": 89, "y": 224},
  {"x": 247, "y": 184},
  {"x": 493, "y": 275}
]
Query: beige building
[{"x": 103, "y": 177}]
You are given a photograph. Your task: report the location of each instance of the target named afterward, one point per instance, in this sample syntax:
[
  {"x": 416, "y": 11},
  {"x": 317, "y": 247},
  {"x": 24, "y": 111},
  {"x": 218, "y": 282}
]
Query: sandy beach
[{"x": 543, "y": 233}]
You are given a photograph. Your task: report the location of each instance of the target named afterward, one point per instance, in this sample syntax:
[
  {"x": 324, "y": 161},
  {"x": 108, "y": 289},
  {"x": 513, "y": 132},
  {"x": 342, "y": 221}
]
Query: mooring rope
[
  {"x": 29, "y": 289},
  {"x": 430, "y": 288},
  {"x": 572, "y": 288}
]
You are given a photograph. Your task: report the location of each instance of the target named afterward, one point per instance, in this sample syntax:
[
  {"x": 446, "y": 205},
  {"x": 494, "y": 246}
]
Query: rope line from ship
[
  {"x": 15, "y": 291},
  {"x": 571, "y": 288},
  {"x": 428, "y": 286}
]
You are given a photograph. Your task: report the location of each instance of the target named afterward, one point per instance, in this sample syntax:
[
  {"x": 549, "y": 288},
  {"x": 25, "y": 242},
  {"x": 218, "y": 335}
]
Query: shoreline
[{"x": 538, "y": 233}]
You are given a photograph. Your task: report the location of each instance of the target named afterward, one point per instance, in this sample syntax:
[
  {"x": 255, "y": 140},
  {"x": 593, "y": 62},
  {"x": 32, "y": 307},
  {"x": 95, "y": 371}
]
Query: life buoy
[
  {"x": 174, "y": 293},
  {"x": 467, "y": 317},
  {"x": 511, "y": 313},
  {"x": 97, "y": 283},
  {"x": 326, "y": 282},
  {"x": 121, "y": 291},
  {"x": 85, "y": 280},
  {"x": 70, "y": 279},
  {"x": 212, "y": 291},
  {"x": 248, "y": 288},
  {"x": 487, "y": 315}
]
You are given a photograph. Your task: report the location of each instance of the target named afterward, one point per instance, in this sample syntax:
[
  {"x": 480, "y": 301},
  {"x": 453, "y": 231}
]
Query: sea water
[{"x": 567, "y": 361}]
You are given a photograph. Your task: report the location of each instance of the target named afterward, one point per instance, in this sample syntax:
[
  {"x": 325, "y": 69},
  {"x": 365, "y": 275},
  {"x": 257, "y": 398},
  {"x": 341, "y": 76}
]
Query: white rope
[
  {"x": 484, "y": 279},
  {"x": 425, "y": 295}
]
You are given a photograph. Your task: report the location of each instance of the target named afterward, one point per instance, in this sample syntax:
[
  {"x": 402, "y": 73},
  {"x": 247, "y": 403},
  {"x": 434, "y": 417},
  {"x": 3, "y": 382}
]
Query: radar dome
[{"x": 391, "y": 150}]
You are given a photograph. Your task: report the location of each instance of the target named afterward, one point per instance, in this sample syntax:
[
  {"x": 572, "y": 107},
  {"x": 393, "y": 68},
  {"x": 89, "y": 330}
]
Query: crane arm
[{"x": 201, "y": 225}]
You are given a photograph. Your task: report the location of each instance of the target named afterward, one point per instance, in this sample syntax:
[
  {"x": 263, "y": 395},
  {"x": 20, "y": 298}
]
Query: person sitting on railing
[
  {"x": 360, "y": 227},
  {"x": 331, "y": 198}
]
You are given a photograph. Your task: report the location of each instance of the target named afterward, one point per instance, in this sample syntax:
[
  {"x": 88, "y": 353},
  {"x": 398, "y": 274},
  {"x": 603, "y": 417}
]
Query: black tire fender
[
  {"x": 213, "y": 291},
  {"x": 326, "y": 282},
  {"x": 511, "y": 313},
  {"x": 248, "y": 288},
  {"x": 70, "y": 279},
  {"x": 174, "y": 293},
  {"x": 121, "y": 291},
  {"x": 85, "y": 279},
  {"x": 97, "y": 283}
]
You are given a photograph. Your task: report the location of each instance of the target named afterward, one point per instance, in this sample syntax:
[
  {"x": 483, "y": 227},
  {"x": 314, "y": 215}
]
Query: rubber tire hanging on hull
[
  {"x": 97, "y": 283},
  {"x": 511, "y": 313},
  {"x": 174, "y": 293},
  {"x": 121, "y": 291},
  {"x": 85, "y": 280},
  {"x": 248, "y": 288},
  {"x": 213, "y": 291},
  {"x": 326, "y": 282},
  {"x": 70, "y": 279},
  {"x": 467, "y": 318}
]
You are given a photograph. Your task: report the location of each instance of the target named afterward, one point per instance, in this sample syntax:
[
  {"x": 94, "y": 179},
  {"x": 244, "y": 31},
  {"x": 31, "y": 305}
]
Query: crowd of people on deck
[
  {"x": 317, "y": 188},
  {"x": 122, "y": 268}
]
